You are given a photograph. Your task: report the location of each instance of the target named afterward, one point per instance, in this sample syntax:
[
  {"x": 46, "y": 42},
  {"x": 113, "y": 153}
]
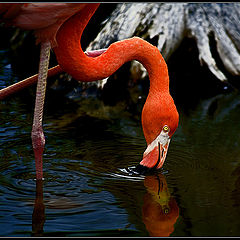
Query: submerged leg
[
  {"x": 38, "y": 215},
  {"x": 38, "y": 139}
]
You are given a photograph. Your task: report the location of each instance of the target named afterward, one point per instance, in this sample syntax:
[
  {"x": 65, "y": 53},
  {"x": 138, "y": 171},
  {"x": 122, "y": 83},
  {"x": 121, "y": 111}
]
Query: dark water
[{"x": 89, "y": 189}]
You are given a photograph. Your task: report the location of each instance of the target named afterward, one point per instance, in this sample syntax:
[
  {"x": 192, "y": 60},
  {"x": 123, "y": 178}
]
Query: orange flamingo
[{"x": 159, "y": 115}]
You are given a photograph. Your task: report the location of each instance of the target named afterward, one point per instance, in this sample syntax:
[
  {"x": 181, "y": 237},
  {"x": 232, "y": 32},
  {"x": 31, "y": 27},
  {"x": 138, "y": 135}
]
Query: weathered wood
[{"x": 167, "y": 24}]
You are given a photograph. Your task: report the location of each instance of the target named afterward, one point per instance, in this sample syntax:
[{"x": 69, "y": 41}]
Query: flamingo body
[
  {"x": 60, "y": 26},
  {"x": 44, "y": 18}
]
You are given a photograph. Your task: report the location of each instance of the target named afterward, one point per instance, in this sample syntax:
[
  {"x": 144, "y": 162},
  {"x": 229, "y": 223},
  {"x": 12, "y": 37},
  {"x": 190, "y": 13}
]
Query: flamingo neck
[{"x": 72, "y": 59}]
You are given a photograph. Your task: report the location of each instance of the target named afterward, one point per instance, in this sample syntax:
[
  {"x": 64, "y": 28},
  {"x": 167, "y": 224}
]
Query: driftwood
[{"x": 167, "y": 24}]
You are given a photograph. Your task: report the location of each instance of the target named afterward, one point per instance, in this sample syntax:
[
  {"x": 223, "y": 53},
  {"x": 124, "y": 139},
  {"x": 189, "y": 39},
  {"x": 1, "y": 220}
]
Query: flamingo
[{"x": 159, "y": 115}]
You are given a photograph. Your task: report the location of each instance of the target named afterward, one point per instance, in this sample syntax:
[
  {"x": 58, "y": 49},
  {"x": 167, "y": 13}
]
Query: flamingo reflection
[{"x": 160, "y": 211}]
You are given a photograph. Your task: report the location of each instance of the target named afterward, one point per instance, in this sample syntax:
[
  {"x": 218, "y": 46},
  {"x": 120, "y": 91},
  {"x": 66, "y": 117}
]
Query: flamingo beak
[{"x": 156, "y": 152}]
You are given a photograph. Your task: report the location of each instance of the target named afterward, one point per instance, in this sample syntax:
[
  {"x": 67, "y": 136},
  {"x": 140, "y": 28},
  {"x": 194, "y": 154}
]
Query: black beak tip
[{"x": 143, "y": 170}]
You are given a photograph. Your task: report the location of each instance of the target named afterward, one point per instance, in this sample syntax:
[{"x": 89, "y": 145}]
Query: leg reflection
[
  {"x": 38, "y": 216},
  {"x": 160, "y": 210}
]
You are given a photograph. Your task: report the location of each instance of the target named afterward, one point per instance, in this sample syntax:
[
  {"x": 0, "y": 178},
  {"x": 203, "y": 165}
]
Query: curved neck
[{"x": 72, "y": 59}]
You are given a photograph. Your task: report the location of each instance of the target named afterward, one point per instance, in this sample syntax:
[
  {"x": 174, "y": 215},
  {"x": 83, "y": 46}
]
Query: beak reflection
[{"x": 160, "y": 211}]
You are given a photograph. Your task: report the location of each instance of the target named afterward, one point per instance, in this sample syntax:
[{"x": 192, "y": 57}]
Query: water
[{"x": 90, "y": 188}]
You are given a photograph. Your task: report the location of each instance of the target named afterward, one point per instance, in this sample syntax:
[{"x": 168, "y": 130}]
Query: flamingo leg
[{"x": 38, "y": 139}]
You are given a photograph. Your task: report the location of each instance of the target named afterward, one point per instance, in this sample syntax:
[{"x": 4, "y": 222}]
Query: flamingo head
[{"x": 159, "y": 122}]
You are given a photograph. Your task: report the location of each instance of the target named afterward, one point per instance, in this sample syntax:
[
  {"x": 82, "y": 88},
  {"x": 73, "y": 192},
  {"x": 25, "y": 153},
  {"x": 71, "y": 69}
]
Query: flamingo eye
[
  {"x": 166, "y": 128},
  {"x": 166, "y": 210}
]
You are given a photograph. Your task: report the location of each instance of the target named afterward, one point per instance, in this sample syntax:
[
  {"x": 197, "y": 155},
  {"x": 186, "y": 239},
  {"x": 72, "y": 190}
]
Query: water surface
[{"x": 89, "y": 187}]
